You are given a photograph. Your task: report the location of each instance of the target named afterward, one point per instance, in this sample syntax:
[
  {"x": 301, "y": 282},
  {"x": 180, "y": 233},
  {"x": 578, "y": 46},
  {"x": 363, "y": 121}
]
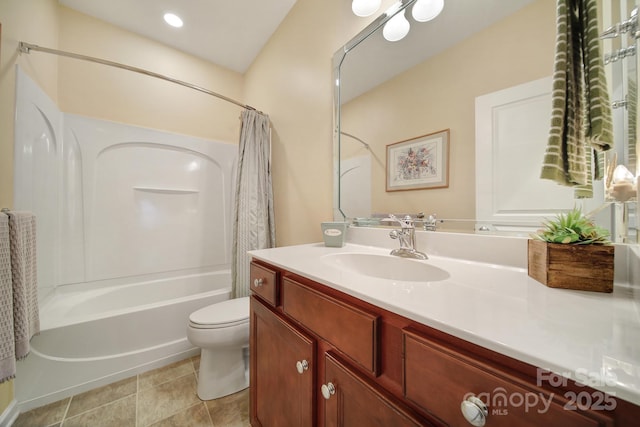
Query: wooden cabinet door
[
  {"x": 354, "y": 401},
  {"x": 280, "y": 395}
]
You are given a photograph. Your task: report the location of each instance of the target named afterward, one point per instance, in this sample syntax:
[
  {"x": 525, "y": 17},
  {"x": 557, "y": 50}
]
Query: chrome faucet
[{"x": 407, "y": 238}]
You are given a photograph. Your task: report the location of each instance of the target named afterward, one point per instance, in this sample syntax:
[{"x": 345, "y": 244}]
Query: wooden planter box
[{"x": 580, "y": 267}]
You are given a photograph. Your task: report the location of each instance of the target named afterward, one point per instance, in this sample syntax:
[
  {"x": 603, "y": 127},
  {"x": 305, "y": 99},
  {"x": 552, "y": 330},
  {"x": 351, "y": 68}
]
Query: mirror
[{"x": 428, "y": 82}]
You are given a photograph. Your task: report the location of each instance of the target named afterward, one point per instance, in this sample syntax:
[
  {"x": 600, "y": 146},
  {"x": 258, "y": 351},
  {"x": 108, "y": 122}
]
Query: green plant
[{"x": 573, "y": 228}]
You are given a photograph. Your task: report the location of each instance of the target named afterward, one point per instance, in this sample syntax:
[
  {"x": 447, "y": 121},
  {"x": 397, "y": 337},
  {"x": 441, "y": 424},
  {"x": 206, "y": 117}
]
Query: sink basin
[{"x": 386, "y": 267}]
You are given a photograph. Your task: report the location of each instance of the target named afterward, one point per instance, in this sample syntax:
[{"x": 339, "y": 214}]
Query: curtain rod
[{"x": 28, "y": 47}]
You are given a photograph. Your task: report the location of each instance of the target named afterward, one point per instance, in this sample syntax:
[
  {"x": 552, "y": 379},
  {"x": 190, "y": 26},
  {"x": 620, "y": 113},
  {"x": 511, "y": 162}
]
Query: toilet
[{"x": 222, "y": 332}]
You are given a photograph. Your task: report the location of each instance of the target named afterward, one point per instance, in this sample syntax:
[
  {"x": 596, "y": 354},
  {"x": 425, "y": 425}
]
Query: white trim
[{"x": 10, "y": 414}]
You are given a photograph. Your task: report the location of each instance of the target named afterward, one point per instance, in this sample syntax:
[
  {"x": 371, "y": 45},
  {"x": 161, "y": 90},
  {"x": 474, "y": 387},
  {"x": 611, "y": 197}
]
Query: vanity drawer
[
  {"x": 354, "y": 331},
  {"x": 264, "y": 282},
  {"x": 438, "y": 379}
]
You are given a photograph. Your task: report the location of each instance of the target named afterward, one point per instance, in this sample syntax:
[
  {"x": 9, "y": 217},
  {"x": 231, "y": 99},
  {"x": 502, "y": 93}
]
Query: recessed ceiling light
[{"x": 173, "y": 20}]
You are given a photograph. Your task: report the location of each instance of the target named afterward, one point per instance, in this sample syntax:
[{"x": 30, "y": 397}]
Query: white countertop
[{"x": 593, "y": 338}]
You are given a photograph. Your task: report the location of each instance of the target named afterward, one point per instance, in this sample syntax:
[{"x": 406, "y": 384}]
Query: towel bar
[{"x": 629, "y": 26}]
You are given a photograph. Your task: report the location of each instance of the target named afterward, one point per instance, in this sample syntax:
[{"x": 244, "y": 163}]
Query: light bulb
[
  {"x": 365, "y": 7},
  {"x": 173, "y": 20},
  {"x": 622, "y": 174},
  {"x": 426, "y": 10},
  {"x": 622, "y": 187},
  {"x": 396, "y": 28}
]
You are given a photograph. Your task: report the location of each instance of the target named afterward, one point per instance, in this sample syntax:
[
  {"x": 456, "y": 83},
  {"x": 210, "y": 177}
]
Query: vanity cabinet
[
  {"x": 320, "y": 357},
  {"x": 282, "y": 363}
]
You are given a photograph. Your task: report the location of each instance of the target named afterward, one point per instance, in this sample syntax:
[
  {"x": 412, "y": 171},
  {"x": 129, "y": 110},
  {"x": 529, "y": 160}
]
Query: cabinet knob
[
  {"x": 258, "y": 282},
  {"x": 302, "y": 365},
  {"x": 328, "y": 390},
  {"x": 474, "y": 410}
]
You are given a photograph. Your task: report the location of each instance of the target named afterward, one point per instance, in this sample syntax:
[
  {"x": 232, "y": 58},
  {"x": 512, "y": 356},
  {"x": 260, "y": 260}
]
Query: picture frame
[{"x": 418, "y": 163}]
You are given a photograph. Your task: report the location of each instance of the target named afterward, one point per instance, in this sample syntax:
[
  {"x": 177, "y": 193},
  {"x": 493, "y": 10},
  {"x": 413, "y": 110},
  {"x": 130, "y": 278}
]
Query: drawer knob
[
  {"x": 328, "y": 390},
  {"x": 302, "y": 365},
  {"x": 474, "y": 410},
  {"x": 258, "y": 282}
]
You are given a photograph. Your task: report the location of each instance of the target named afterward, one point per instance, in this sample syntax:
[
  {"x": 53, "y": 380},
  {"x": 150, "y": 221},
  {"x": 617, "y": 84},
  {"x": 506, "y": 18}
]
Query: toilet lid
[{"x": 223, "y": 314}]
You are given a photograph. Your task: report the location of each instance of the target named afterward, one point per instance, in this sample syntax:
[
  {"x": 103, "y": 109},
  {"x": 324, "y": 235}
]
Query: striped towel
[
  {"x": 632, "y": 113},
  {"x": 26, "y": 319},
  {"x": 7, "y": 342},
  {"x": 581, "y": 113}
]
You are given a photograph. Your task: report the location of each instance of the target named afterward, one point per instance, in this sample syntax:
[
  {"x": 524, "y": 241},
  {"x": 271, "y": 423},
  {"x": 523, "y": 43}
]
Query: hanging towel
[
  {"x": 26, "y": 320},
  {"x": 600, "y": 126},
  {"x": 7, "y": 342},
  {"x": 581, "y": 114}
]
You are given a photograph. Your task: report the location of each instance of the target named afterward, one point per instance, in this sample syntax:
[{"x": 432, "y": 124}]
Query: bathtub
[
  {"x": 96, "y": 334},
  {"x": 135, "y": 235}
]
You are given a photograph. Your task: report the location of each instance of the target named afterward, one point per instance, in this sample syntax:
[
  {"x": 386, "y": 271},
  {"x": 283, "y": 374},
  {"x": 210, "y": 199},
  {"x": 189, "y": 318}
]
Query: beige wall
[
  {"x": 291, "y": 81},
  {"x": 33, "y": 21},
  {"x": 123, "y": 96},
  {"x": 440, "y": 93}
]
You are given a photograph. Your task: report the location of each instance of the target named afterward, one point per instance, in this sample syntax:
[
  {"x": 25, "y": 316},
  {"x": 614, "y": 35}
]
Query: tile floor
[{"x": 165, "y": 397}]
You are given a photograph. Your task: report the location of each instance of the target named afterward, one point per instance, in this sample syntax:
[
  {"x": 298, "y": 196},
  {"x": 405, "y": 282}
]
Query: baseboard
[{"x": 9, "y": 416}]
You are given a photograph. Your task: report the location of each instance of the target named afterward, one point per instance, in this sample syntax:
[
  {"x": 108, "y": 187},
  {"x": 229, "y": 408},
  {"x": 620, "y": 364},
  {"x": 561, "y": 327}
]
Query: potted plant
[{"x": 571, "y": 252}]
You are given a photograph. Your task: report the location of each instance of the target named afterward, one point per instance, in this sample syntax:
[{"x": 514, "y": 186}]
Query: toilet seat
[{"x": 225, "y": 314}]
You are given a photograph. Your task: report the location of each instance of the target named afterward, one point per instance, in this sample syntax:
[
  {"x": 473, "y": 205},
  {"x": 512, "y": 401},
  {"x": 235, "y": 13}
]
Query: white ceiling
[{"x": 229, "y": 33}]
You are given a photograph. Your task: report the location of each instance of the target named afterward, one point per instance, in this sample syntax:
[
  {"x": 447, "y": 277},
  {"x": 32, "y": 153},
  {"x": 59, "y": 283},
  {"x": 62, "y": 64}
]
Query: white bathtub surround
[
  {"x": 254, "y": 222},
  {"x": 134, "y": 234},
  {"x": 488, "y": 299}
]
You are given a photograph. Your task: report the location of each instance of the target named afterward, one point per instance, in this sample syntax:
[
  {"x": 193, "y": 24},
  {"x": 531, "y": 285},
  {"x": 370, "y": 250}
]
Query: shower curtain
[{"x": 254, "y": 226}]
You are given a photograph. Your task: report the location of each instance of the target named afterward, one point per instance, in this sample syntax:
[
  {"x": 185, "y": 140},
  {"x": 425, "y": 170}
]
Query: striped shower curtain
[{"x": 254, "y": 225}]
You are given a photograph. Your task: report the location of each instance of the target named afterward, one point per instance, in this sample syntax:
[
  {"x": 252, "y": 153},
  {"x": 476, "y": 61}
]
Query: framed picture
[{"x": 419, "y": 163}]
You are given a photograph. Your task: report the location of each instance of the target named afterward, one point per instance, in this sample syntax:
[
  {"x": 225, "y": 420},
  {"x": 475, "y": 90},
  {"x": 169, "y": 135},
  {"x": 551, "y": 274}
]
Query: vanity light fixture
[
  {"x": 173, "y": 20},
  {"x": 426, "y": 10},
  {"x": 365, "y": 7},
  {"x": 396, "y": 28}
]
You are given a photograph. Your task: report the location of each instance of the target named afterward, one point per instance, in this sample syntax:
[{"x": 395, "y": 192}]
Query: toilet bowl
[{"x": 222, "y": 332}]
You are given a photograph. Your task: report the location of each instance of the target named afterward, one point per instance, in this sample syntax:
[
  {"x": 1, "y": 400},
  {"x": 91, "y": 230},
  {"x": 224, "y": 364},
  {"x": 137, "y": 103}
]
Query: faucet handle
[
  {"x": 431, "y": 222},
  {"x": 406, "y": 222},
  {"x": 392, "y": 217}
]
